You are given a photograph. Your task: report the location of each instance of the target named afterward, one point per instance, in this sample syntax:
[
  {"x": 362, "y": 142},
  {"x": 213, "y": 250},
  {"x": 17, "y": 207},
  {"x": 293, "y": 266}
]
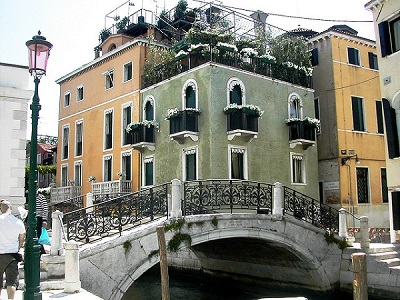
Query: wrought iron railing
[
  {"x": 66, "y": 206},
  {"x": 143, "y": 134},
  {"x": 242, "y": 121},
  {"x": 112, "y": 217},
  {"x": 210, "y": 196},
  {"x": 184, "y": 121},
  {"x": 301, "y": 130},
  {"x": 310, "y": 210}
]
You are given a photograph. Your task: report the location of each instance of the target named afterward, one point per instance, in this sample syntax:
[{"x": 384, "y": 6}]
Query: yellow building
[
  {"x": 97, "y": 102},
  {"x": 351, "y": 147},
  {"x": 387, "y": 30}
]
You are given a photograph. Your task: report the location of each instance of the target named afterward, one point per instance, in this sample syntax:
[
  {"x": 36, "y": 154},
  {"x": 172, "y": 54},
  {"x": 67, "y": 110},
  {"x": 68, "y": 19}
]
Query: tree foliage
[{"x": 290, "y": 49}]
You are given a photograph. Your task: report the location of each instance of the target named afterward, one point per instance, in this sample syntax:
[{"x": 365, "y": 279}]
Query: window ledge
[
  {"x": 305, "y": 143},
  {"x": 248, "y": 136},
  {"x": 141, "y": 146},
  {"x": 179, "y": 137}
]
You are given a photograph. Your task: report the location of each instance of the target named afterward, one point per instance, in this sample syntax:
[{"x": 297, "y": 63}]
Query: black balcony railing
[
  {"x": 184, "y": 121},
  {"x": 143, "y": 134},
  {"x": 301, "y": 130},
  {"x": 239, "y": 120}
]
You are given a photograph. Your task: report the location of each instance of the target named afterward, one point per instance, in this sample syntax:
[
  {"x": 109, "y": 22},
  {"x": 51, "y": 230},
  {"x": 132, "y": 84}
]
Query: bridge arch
[{"x": 313, "y": 262}]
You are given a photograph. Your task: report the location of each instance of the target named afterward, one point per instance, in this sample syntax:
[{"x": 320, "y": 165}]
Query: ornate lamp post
[{"x": 39, "y": 51}]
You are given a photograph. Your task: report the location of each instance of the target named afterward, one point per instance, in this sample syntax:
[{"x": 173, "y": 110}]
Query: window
[
  {"x": 39, "y": 159},
  {"x": 127, "y": 71},
  {"x": 317, "y": 112},
  {"x": 389, "y": 35},
  {"x": 353, "y": 56},
  {"x": 67, "y": 99},
  {"x": 65, "y": 142},
  {"x": 295, "y": 107},
  {"x": 392, "y": 136},
  {"x": 108, "y": 129},
  {"x": 149, "y": 111},
  {"x": 385, "y": 192},
  {"x": 64, "y": 175},
  {"x": 79, "y": 138},
  {"x": 126, "y": 120},
  {"x": 358, "y": 114},
  {"x": 379, "y": 116},
  {"x": 373, "y": 60},
  {"x": 362, "y": 185},
  {"x": 107, "y": 168},
  {"x": 236, "y": 92},
  {"x": 78, "y": 173},
  {"x": 314, "y": 57},
  {"x": 190, "y": 97},
  {"x": 298, "y": 168},
  {"x": 79, "y": 93},
  {"x": 189, "y": 163},
  {"x": 127, "y": 165},
  {"x": 109, "y": 80},
  {"x": 148, "y": 171},
  {"x": 237, "y": 163}
]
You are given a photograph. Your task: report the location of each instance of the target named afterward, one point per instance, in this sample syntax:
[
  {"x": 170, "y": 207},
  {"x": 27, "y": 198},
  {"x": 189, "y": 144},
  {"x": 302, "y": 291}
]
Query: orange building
[{"x": 351, "y": 144}]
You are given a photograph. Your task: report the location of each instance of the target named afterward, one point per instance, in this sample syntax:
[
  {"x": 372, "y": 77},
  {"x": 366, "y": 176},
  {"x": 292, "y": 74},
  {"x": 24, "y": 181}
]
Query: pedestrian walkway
[{"x": 51, "y": 294}]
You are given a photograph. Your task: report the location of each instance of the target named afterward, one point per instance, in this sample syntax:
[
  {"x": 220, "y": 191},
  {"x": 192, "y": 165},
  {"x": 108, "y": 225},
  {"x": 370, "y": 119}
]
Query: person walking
[
  {"x": 12, "y": 237},
  {"x": 42, "y": 211}
]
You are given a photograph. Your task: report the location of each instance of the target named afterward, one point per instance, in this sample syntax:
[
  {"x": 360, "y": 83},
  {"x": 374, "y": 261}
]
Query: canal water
[{"x": 195, "y": 286}]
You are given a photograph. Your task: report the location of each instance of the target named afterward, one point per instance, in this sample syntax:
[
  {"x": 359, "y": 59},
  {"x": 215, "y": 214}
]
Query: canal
[{"x": 196, "y": 286}]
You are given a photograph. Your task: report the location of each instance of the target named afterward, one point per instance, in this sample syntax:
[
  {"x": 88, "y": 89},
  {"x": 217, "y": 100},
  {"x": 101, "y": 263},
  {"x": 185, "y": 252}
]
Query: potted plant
[
  {"x": 104, "y": 34},
  {"x": 92, "y": 179},
  {"x": 180, "y": 9}
]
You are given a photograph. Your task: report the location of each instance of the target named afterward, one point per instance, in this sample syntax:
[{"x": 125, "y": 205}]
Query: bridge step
[
  {"x": 392, "y": 262},
  {"x": 384, "y": 255}
]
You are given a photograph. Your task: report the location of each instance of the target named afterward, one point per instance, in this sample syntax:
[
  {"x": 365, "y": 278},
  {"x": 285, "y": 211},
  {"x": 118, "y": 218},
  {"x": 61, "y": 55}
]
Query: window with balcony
[
  {"x": 126, "y": 120},
  {"x": 108, "y": 129},
  {"x": 184, "y": 123},
  {"x": 64, "y": 175},
  {"x": 65, "y": 142},
  {"x": 362, "y": 185},
  {"x": 79, "y": 93},
  {"x": 389, "y": 35},
  {"x": 79, "y": 138},
  {"x": 353, "y": 56},
  {"x": 358, "y": 113},
  {"x": 295, "y": 107},
  {"x": 128, "y": 71},
  {"x": 189, "y": 163},
  {"x": 143, "y": 133},
  {"x": 127, "y": 165},
  {"x": 107, "y": 168},
  {"x": 237, "y": 157},
  {"x": 297, "y": 168},
  {"x": 67, "y": 99},
  {"x": 148, "y": 171},
  {"x": 78, "y": 173}
]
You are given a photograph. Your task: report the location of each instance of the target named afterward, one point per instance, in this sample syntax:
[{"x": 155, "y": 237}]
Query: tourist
[
  {"x": 12, "y": 236},
  {"x": 42, "y": 211}
]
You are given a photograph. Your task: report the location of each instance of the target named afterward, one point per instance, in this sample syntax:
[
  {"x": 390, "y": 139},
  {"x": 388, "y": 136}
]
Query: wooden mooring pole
[
  {"x": 163, "y": 263},
  {"x": 360, "y": 284}
]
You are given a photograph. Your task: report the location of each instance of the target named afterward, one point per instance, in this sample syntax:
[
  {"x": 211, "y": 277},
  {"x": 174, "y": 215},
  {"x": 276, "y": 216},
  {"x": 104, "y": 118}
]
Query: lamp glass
[{"x": 39, "y": 52}]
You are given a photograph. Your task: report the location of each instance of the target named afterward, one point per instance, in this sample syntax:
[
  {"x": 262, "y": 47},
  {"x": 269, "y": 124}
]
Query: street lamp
[
  {"x": 39, "y": 51},
  {"x": 347, "y": 158}
]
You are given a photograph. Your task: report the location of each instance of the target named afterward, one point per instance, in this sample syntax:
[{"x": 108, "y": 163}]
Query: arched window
[
  {"x": 149, "y": 108},
  {"x": 295, "y": 107},
  {"x": 189, "y": 94},
  {"x": 112, "y": 47},
  {"x": 236, "y": 92}
]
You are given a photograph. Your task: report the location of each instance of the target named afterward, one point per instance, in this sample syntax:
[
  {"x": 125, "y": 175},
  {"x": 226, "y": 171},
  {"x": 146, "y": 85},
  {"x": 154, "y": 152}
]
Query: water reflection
[{"x": 194, "y": 286}]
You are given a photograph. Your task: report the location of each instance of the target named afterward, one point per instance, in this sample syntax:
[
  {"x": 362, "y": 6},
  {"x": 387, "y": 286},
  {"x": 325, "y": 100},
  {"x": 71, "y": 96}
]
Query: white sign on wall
[{"x": 332, "y": 185}]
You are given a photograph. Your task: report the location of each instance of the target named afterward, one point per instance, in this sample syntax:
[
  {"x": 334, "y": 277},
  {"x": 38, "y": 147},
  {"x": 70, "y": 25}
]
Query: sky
[{"x": 73, "y": 27}]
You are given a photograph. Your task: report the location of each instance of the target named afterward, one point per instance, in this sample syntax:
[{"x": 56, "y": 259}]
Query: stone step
[
  {"x": 392, "y": 262},
  {"x": 379, "y": 248},
  {"x": 384, "y": 255},
  {"x": 45, "y": 285}
]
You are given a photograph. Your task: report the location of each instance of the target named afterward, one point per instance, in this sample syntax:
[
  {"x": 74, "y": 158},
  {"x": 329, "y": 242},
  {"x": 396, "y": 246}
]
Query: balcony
[
  {"x": 111, "y": 187},
  {"x": 302, "y": 133},
  {"x": 65, "y": 193},
  {"x": 184, "y": 124},
  {"x": 143, "y": 137},
  {"x": 242, "y": 124}
]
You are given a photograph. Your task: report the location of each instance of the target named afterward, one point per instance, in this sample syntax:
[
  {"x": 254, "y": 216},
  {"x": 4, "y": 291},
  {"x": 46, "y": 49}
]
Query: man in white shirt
[{"x": 12, "y": 237}]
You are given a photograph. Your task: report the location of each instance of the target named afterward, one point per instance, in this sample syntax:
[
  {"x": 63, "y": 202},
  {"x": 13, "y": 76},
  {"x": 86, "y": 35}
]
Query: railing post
[
  {"x": 89, "y": 202},
  {"x": 176, "y": 211},
  {"x": 342, "y": 223},
  {"x": 56, "y": 234},
  {"x": 364, "y": 230},
  {"x": 277, "y": 208},
  {"x": 72, "y": 279}
]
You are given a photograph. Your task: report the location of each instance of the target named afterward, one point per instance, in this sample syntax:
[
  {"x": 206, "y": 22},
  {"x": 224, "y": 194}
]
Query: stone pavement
[{"x": 51, "y": 294}]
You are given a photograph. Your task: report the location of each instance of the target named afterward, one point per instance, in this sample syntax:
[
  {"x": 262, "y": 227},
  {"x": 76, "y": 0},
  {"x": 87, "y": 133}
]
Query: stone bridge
[{"x": 267, "y": 247}]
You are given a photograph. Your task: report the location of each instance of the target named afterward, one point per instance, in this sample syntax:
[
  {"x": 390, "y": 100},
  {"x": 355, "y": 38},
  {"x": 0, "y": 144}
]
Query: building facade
[
  {"x": 387, "y": 30},
  {"x": 351, "y": 147},
  {"x": 14, "y": 98}
]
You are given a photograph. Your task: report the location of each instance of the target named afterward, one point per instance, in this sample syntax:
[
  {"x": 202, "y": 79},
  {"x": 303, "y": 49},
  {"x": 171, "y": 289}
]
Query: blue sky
[{"x": 73, "y": 27}]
